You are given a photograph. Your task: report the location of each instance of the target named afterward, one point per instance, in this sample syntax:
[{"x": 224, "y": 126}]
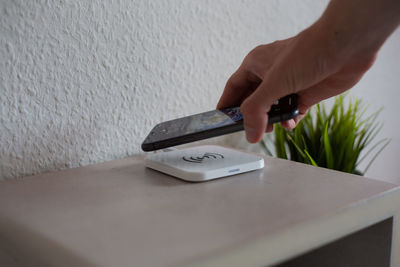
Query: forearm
[{"x": 358, "y": 27}]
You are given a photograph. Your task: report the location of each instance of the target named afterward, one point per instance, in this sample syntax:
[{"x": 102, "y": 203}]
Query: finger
[
  {"x": 237, "y": 88},
  {"x": 289, "y": 124},
  {"x": 292, "y": 123}
]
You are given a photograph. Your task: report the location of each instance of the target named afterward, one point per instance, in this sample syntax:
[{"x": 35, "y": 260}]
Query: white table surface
[{"x": 119, "y": 213}]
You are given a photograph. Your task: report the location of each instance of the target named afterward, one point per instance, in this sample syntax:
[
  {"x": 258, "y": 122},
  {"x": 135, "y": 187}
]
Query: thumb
[{"x": 255, "y": 108}]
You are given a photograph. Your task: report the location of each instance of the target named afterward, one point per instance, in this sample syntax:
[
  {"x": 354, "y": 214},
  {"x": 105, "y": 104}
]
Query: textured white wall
[{"x": 84, "y": 81}]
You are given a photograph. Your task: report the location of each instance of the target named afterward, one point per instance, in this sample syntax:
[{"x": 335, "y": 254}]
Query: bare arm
[{"x": 324, "y": 60}]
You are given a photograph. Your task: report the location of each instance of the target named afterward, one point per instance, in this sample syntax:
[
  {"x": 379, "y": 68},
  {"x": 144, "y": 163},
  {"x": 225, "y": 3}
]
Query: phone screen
[
  {"x": 212, "y": 123},
  {"x": 194, "y": 124}
]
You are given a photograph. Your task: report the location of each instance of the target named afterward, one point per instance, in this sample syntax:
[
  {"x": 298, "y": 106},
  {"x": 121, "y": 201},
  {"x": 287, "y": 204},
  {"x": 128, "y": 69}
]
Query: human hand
[
  {"x": 297, "y": 65},
  {"x": 325, "y": 60}
]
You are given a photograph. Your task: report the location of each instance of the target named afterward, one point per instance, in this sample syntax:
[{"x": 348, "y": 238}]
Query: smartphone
[{"x": 212, "y": 123}]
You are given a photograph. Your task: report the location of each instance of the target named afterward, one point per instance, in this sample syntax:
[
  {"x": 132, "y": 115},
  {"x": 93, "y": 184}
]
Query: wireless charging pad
[{"x": 203, "y": 163}]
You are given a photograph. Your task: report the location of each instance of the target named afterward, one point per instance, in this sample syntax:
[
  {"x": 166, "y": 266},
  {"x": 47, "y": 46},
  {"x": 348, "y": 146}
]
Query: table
[{"x": 119, "y": 213}]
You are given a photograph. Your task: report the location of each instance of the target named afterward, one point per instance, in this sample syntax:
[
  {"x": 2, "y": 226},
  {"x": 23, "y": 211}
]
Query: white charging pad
[{"x": 203, "y": 163}]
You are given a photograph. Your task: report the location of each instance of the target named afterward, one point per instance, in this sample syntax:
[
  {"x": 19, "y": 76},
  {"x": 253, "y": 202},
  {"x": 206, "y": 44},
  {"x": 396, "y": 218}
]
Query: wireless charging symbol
[{"x": 205, "y": 156}]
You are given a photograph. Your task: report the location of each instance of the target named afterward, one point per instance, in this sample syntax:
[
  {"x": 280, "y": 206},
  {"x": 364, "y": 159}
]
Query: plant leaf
[
  {"x": 310, "y": 159},
  {"x": 280, "y": 142},
  {"x": 333, "y": 139},
  {"x": 328, "y": 148}
]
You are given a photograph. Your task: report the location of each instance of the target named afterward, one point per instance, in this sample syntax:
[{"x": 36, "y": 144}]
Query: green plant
[{"x": 332, "y": 140}]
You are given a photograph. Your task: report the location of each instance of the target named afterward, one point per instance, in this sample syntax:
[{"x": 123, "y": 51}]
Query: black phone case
[{"x": 274, "y": 117}]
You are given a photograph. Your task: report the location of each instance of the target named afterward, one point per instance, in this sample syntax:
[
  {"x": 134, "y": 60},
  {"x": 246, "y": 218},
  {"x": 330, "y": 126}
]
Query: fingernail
[{"x": 251, "y": 135}]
